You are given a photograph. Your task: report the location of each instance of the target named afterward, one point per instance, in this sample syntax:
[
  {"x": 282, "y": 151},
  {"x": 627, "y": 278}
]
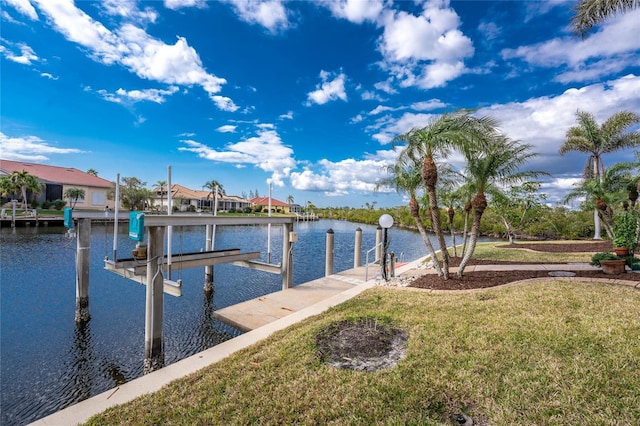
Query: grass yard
[{"x": 547, "y": 353}]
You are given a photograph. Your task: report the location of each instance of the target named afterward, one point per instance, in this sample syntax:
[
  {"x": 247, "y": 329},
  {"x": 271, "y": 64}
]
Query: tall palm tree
[
  {"x": 453, "y": 130},
  {"x": 497, "y": 163},
  {"x": 405, "y": 176},
  {"x": 215, "y": 188},
  {"x": 590, "y": 138},
  {"x": 289, "y": 199},
  {"x": 92, "y": 172},
  {"x": 161, "y": 184},
  {"x": 589, "y": 13},
  {"x": 23, "y": 182}
]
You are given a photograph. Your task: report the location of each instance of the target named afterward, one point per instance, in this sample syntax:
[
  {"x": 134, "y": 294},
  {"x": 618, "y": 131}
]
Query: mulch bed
[{"x": 486, "y": 279}]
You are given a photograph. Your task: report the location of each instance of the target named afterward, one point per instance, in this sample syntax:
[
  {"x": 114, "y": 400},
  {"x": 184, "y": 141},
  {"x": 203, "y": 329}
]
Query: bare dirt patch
[{"x": 364, "y": 344}]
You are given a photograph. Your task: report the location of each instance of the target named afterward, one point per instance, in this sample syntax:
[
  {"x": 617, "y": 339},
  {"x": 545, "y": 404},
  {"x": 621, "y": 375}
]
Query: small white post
[
  {"x": 357, "y": 251},
  {"x": 83, "y": 260},
  {"x": 269, "y": 229},
  {"x": 116, "y": 209},
  {"x": 169, "y": 227},
  {"x": 208, "y": 270},
  {"x": 328, "y": 263},
  {"x": 153, "y": 347},
  {"x": 378, "y": 243}
]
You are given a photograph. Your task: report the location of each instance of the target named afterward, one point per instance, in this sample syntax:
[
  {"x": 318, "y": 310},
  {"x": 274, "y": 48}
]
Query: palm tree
[
  {"x": 590, "y": 138},
  {"x": 92, "y": 172},
  {"x": 603, "y": 193},
  {"x": 405, "y": 177},
  {"x": 74, "y": 194},
  {"x": 455, "y": 130},
  {"x": 215, "y": 188},
  {"x": 289, "y": 199},
  {"x": 23, "y": 182},
  {"x": 589, "y": 13},
  {"x": 495, "y": 164},
  {"x": 161, "y": 184}
]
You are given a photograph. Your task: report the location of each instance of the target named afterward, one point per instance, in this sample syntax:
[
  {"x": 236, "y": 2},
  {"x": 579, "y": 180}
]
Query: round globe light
[{"x": 386, "y": 221}]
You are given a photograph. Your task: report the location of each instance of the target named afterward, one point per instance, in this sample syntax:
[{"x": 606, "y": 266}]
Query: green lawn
[{"x": 548, "y": 353}]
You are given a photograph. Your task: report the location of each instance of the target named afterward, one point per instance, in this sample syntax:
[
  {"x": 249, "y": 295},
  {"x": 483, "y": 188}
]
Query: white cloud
[
  {"x": 128, "y": 9},
  {"x": 356, "y": 11},
  {"x": 328, "y": 90},
  {"x": 18, "y": 52},
  {"x": 287, "y": 116},
  {"x": 224, "y": 103},
  {"x": 544, "y": 121},
  {"x": 29, "y": 148},
  {"x": 358, "y": 118},
  {"x": 541, "y": 121},
  {"x": 343, "y": 177},
  {"x": 133, "y": 48},
  {"x": 153, "y": 95},
  {"x": 489, "y": 30},
  {"x": 228, "y": 128},
  {"x": 389, "y": 127},
  {"x": 426, "y": 50},
  {"x": 179, "y": 4},
  {"x": 265, "y": 151},
  {"x": 368, "y": 95},
  {"x": 386, "y": 86},
  {"x": 48, "y": 75},
  {"x": 271, "y": 14},
  {"x": 380, "y": 109},
  {"x": 24, "y": 7},
  {"x": 610, "y": 49},
  {"x": 428, "y": 105}
]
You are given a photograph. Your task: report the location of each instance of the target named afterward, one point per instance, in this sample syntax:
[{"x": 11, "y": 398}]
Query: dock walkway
[{"x": 255, "y": 313}]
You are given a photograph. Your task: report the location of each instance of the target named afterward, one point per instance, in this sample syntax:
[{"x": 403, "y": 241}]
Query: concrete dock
[{"x": 255, "y": 313}]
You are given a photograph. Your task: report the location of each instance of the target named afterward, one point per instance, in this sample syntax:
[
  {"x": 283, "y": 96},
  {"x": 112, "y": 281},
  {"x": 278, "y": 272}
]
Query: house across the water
[
  {"x": 186, "y": 199},
  {"x": 57, "y": 180}
]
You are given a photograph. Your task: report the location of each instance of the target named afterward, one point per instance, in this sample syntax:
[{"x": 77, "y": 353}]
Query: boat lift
[{"x": 149, "y": 270}]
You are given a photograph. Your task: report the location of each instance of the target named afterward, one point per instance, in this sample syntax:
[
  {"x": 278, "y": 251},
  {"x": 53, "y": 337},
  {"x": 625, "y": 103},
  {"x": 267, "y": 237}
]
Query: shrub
[
  {"x": 46, "y": 205},
  {"x": 247, "y": 209},
  {"x": 59, "y": 204},
  {"x": 598, "y": 257},
  {"x": 259, "y": 208}
]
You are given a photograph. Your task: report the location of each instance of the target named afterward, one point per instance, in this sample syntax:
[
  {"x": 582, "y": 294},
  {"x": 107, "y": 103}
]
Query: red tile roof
[
  {"x": 264, "y": 201},
  {"x": 55, "y": 174}
]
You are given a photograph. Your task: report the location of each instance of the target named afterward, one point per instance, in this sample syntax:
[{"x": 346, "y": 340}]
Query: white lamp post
[{"x": 386, "y": 222}]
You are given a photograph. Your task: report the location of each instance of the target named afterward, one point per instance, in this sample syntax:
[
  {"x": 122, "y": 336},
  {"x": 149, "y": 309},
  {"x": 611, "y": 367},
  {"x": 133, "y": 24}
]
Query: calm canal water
[{"x": 48, "y": 363}]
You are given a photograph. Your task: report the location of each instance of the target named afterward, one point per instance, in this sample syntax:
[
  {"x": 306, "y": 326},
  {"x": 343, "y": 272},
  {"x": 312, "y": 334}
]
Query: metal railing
[{"x": 366, "y": 261}]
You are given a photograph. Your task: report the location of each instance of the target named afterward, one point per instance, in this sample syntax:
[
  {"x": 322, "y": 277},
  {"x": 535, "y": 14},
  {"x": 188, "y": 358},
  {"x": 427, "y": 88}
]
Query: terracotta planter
[
  {"x": 621, "y": 251},
  {"x": 613, "y": 266}
]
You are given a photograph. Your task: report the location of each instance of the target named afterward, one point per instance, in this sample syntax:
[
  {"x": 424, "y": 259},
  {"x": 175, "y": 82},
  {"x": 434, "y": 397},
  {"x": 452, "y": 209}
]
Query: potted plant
[
  {"x": 625, "y": 232},
  {"x": 609, "y": 262}
]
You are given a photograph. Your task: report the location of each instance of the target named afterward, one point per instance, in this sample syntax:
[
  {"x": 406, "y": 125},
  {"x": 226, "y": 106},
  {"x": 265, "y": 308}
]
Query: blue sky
[{"x": 304, "y": 94}]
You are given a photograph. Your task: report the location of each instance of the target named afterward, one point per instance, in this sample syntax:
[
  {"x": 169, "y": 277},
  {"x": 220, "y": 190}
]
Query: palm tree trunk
[
  {"x": 415, "y": 212},
  {"x": 465, "y": 232},
  {"x": 23, "y": 190},
  {"x": 453, "y": 243},
  {"x": 479, "y": 204},
  {"x": 475, "y": 230},
  {"x": 437, "y": 228},
  {"x": 596, "y": 217}
]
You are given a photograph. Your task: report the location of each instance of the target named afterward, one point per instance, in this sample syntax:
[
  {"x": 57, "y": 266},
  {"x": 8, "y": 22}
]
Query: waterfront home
[
  {"x": 187, "y": 199},
  {"x": 275, "y": 204},
  {"x": 57, "y": 180}
]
